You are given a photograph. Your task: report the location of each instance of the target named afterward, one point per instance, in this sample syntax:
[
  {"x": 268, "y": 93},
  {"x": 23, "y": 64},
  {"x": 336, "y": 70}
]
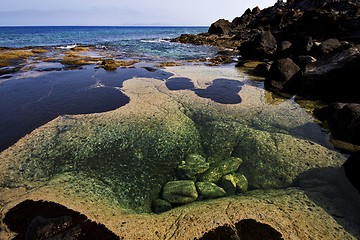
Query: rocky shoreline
[
  {"x": 309, "y": 48},
  {"x": 209, "y": 167}
]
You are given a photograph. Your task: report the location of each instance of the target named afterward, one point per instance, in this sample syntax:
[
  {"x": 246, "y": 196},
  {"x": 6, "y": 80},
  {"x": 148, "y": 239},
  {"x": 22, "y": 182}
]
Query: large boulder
[
  {"x": 335, "y": 76},
  {"x": 263, "y": 46},
  {"x": 327, "y": 46},
  {"x": 180, "y": 192},
  {"x": 221, "y": 26},
  {"x": 343, "y": 120},
  {"x": 283, "y": 75}
]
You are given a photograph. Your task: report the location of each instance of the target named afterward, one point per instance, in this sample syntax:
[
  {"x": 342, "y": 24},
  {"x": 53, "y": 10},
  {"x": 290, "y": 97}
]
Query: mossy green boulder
[
  {"x": 180, "y": 192},
  {"x": 209, "y": 190},
  {"x": 221, "y": 168},
  {"x": 194, "y": 164}
]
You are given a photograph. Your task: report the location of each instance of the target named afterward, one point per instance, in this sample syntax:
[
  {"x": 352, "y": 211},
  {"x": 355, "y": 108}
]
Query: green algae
[{"x": 129, "y": 154}]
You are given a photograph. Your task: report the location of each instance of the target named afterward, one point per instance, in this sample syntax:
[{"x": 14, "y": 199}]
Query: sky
[{"x": 123, "y": 13}]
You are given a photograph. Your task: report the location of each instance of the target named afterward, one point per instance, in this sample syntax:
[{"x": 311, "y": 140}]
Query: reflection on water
[
  {"x": 222, "y": 91},
  {"x": 35, "y": 98},
  {"x": 179, "y": 83}
]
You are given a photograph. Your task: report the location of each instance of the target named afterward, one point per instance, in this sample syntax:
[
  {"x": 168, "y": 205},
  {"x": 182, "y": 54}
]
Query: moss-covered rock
[
  {"x": 180, "y": 192},
  {"x": 221, "y": 168},
  {"x": 194, "y": 164},
  {"x": 274, "y": 160},
  {"x": 209, "y": 190},
  {"x": 241, "y": 182},
  {"x": 228, "y": 183}
]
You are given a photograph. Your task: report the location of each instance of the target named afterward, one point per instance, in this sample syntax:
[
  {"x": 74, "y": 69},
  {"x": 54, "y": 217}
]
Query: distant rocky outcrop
[{"x": 310, "y": 48}]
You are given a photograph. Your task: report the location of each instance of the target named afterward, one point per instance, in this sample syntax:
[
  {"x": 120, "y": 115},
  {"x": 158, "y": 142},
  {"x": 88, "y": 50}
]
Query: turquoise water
[{"x": 152, "y": 41}]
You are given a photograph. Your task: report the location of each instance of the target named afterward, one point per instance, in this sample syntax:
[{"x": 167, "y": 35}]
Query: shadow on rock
[
  {"x": 330, "y": 189},
  {"x": 34, "y": 220},
  {"x": 247, "y": 229}
]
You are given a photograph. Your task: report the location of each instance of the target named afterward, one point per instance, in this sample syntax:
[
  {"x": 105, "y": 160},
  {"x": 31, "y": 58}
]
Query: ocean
[{"x": 151, "y": 41}]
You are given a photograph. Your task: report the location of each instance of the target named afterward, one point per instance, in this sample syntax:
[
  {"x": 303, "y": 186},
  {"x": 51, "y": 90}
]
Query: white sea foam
[
  {"x": 68, "y": 46},
  {"x": 159, "y": 40}
]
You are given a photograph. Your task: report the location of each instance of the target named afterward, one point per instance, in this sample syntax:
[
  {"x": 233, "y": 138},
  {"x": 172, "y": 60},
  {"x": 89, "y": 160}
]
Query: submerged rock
[
  {"x": 221, "y": 168},
  {"x": 194, "y": 164},
  {"x": 209, "y": 190},
  {"x": 180, "y": 192}
]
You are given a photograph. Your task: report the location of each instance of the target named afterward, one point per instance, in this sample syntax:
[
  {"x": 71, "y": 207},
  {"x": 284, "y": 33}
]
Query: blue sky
[{"x": 122, "y": 13}]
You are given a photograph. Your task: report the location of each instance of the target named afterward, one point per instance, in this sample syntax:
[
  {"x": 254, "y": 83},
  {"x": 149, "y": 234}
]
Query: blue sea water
[{"x": 152, "y": 41}]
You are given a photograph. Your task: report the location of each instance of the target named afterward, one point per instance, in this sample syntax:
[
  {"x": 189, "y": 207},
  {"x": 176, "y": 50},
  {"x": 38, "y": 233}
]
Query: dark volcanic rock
[
  {"x": 283, "y": 75},
  {"x": 262, "y": 69},
  {"x": 221, "y": 26},
  {"x": 303, "y": 60},
  {"x": 335, "y": 75},
  {"x": 327, "y": 46},
  {"x": 352, "y": 168},
  {"x": 262, "y": 47},
  {"x": 343, "y": 120}
]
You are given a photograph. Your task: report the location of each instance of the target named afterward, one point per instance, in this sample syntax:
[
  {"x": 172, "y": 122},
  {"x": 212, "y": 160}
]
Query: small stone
[
  {"x": 161, "y": 205},
  {"x": 228, "y": 183},
  {"x": 219, "y": 169},
  {"x": 241, "y": 182},
  {"x": 180, "y": 192},
  {"x": 209, "y": 190},
  {"x": 194, "y": 164}
]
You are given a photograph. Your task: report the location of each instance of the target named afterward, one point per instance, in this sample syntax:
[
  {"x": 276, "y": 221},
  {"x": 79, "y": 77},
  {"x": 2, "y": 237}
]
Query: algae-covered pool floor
[{"x": 112, "y": 164}]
